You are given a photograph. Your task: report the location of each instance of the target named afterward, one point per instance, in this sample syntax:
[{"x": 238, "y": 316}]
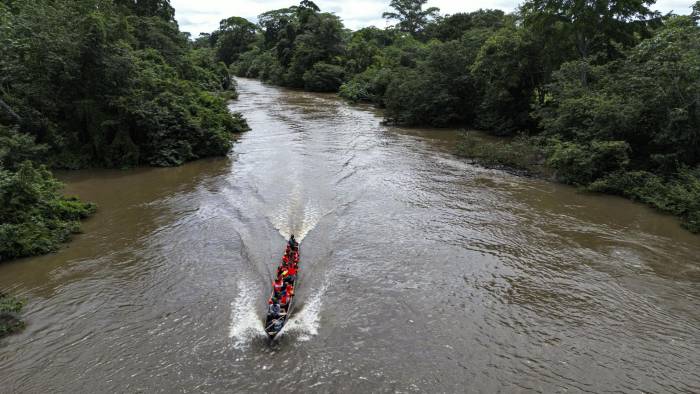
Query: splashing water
[
  {"x": 305, "y": 321},
  {"x": 310, "y": 217},
  {"x": 245, "y": 324}
]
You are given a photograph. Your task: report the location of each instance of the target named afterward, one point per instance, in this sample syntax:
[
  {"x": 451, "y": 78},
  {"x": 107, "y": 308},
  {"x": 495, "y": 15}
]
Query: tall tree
[
  {"x": 235, "y": 36},
  {"x": 593, "y": 27},
  {"x": 411, "y": 15},
  {"x": 159, "y": 8}
]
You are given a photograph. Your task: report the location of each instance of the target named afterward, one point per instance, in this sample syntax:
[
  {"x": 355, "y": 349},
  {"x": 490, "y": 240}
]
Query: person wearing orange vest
[
  {"x": 284, "y": 300},
  {"x": 277, "y": 285},
  {"x": 281, "y": 269},
  {"x": 291, "y": 275}
]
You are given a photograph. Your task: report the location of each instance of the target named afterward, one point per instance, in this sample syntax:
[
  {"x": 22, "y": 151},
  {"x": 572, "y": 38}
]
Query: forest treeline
[
  {"x": 605, "y": 94},
  {"x": 107, "y": 83}
]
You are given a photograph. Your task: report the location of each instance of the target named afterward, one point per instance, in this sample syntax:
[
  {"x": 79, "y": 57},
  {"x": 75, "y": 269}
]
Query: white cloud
[{"x": 197, "y": 16}]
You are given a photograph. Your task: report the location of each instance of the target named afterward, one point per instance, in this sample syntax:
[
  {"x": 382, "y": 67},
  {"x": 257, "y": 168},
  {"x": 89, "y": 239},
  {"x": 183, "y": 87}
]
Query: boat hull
[{"x": 273, "y": 329}]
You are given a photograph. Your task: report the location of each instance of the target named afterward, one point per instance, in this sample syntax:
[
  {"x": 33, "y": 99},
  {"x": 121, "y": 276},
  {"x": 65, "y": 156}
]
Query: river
[{"x": 420, "y": 273}]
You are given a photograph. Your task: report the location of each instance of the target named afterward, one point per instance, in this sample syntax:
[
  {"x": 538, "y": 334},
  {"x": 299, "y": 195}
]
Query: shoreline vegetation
[
  {"x": 604, "y": 95},
  {"x": 528, "y": 156},
  {"x": 97, "y": 83},
  {"x": 10, "y": 308}
]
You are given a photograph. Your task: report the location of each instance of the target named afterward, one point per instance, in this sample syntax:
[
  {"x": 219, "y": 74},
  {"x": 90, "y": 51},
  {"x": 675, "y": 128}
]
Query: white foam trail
[
  {"x": 281, "y": 221},
  {"x": 305, "y": 322},
  {"x": 311, "y": 218},
  {"x": 245, "y": 324}
]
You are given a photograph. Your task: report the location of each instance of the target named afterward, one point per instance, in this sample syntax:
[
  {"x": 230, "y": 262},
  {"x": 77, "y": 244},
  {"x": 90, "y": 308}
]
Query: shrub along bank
[
  {"x": 9, "y": 310},
  {"x": 109, "y": 83}
]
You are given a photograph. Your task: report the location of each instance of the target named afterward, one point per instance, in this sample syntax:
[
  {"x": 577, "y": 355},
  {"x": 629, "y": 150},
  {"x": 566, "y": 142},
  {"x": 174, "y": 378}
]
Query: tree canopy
[
  {"x": 411, "y": 16},
  {"x": 110, "y": 83}
]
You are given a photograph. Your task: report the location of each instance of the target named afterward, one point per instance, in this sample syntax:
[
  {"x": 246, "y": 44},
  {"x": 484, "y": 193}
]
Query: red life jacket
[
  {"x": 285, "y": 259},
  {"x": 292, "y": 270},
  {"x": 290, "y": 290},
  {"x": 284, "y": 299},
  {"x": 277, "y": 285}
]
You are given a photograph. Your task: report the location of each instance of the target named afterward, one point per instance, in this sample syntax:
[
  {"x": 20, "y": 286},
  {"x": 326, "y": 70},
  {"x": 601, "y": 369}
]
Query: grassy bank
[
  {"x": 9, "y": 319},
  {"x": 520, "y": 155},
  {"x": 588, "y": 168}
]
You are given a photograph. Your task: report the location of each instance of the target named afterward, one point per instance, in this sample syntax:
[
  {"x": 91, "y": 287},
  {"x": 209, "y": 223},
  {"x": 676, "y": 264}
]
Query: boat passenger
[
  {"x": 274, "y": 309},
  {"x": 279, "y": 271},
  {"x": 285, "y": 259},
  {"x": 291, "y": 274},
  {"x": 277, "y": 325},
  {"x": 293, "y": 244},
  {"x": 295, "y": 258},
  {"x": 284, "y": 300},
  {"x": 290, "y": 290},
  {"x": 277, "y": 285}
]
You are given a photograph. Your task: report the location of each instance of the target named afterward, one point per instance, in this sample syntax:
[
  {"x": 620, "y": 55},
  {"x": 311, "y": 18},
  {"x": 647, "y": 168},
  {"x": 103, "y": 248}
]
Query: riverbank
[
  {"x": 124, "y": 88},
  {"x": 676, "y": 193}
]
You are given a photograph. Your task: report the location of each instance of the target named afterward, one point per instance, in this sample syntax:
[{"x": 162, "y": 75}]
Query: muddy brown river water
[{"x": 420, "y": 273}]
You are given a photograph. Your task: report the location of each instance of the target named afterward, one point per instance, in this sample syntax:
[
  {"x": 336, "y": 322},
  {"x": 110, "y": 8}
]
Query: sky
[{"x": 197, "y": 16}]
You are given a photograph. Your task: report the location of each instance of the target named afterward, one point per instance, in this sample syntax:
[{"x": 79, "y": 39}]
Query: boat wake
[
  {"x": 310, "y": 217},
  {"x": 245, "y": 323},
  {"x": 306, "y": 320}
]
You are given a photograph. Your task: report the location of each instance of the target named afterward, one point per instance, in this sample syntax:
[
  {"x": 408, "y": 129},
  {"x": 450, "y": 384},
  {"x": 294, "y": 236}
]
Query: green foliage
[
  {"x": 591, "y": 27},
  {"x": 16, "y": 147},
  {"x": 453, "y": 27},
  {"x": 439, "y": 90},
  {"x": 678, "y": 194},
  {"x": 649, "y": 100},
  {"x": 235, "y": 35},
  {"x": 411, "y": 15},
  {"x": 364, "y": 48},
  {"x": 293, "y": 41},
  {"x": 10, "y": 304},
  {"x": 507, "y": 75},
  {"x": 521, "y": 153},
  {"x": 9, "y": 308},
  {"x": 100, "y": 83},
  {"x": 112, "y": 84},
  {"x": 324, "y": 77},
  {"x": 435, "y": 93},
  {"x": 580, "y": 164},
  {"x": 34, "y": 217},
  {"x": 370, "y": 85}
]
